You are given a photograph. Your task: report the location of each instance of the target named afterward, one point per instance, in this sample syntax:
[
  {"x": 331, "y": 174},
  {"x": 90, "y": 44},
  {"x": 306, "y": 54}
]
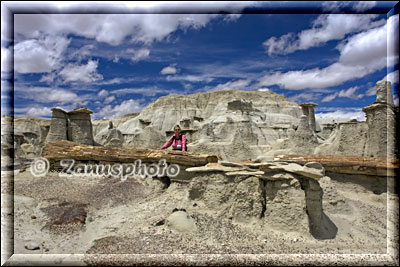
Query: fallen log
[
  {"x": 59, "y": 150},
  {"x": 348, "y": 164}
]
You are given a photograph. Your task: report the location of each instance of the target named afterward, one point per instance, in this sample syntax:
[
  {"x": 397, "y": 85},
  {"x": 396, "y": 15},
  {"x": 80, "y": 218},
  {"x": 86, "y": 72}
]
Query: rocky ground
[{"x": 99, "y": 215}]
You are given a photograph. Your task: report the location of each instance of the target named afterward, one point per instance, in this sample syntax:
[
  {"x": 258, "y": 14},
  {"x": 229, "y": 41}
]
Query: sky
[{"x": 117, "y": 57}]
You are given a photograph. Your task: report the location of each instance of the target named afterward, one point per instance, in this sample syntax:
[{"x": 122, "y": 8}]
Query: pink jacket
[{"x": 174, "y": 142}]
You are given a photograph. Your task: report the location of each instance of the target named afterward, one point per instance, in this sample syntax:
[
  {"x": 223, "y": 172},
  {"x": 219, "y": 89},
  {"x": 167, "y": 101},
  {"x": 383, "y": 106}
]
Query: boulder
[{"x": 180, "y": 221}]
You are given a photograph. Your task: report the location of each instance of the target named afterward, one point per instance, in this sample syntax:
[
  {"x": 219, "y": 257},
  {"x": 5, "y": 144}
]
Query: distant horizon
[{"x": 116, "y": 64}]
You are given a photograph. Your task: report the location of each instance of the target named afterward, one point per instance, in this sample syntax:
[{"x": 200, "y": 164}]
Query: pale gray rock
[
  {"x": 58, "y": 125},
  {"x": 333, "y": 201},
  {"x": 180, "y": 221},
  {"x": 384, "y": 92},
  {"x": 285, "y": 206},
  {"x": 248, "y": 200},
  {"x": 32, "y": 245},
  {"x": 149, "y": 137},
  {"x": 381, "y": 120},
  {"x": 347, "y": 139},
  {"x": 308, "y": 110},
  {"x": 109, "y": 137},
  {"x": 80, "y": 126},
  {"x": 224, "y": 122}
]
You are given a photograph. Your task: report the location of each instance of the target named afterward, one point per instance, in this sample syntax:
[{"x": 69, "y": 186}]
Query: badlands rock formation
[
  {"x": 217, "y": 122},
  {"x": 235, "y": 125}
]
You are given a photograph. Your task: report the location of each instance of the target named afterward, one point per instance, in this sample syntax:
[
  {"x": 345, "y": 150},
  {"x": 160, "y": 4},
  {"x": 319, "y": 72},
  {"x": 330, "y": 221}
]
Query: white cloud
[
  {"x": 111, "y": 28},
  {"x": 39, "y": 112},
  {"x": 263, "y": 89},
  {"x": 333, "y": 6},
  {"x": 81, "y": 73},
  {"x": 103, "y": 93},
  {"x": 392, "y": 77},
  {"x": 50, "y": 95},
  {"x": 109, "y": 99},
  {"x": 340, "y": 115},
  {"x": 329, "y": 98},
  {"x": 371, "y": 91},
  {"x": 362, "y": 6},
  {"x": 360, "y": 55},
  {"x": 41, "y": 55},
  {"x": 232, "y": 85},
  {"x": 6, "y": 64},
  {"x": 304, "y": 97},
  {"x": 146, "y": 91},
  {"x": 128, "y": 106},
  {"x": 349, "y": 93},
  {"x": 171, "y": 69},
  {"x": 138, "y": 55},
  {"x": 190, "y": 78},
  {"x": 325, "y": 28}
]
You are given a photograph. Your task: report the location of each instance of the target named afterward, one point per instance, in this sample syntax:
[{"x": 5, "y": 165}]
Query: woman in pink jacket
[{"x": 178, "y": 140}]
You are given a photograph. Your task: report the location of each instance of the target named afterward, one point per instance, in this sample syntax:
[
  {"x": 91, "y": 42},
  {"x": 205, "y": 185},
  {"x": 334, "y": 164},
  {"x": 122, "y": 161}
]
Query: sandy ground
[{"x": 129, "y": 218}]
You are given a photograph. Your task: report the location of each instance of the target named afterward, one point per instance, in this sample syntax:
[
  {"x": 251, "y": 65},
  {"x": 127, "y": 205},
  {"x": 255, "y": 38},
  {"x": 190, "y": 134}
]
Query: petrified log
[
  {"x": 58, "y": 150},
  {"x": 348, "y": 164}
]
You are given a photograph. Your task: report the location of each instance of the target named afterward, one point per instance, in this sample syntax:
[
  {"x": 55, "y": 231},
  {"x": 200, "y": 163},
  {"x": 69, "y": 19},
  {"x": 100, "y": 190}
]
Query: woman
[{"x": 178, "y": 140}]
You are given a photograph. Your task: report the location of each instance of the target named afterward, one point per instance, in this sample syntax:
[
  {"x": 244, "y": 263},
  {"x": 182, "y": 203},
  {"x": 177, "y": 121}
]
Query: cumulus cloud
[
  {"x": 6, "y": 64},
  {"x": 171, "y": 69},
  {"x": 263, "y": 89},
  {"x": 232, "y": 85},
  {"x": 39, "y": 55},
  {"x": 81, "y": 73},
  {"x": 102, "y": 93},
  {"x": 304, "y": 97},
  {"x": 191, "y": 78},
  {"x": 334, "y": 6},
  {"x": 50, "y": 95},
  {"x": 39, "y": 112},
  {"x": 112, "y": 29},
  {"x": 146, "y": 91},
  {"x": 361, "y": 54},
  {"x": 127, "y": 106},
  {"x": 362, "y": 6},
  {"x": 340, "y": 115},
  {"x": 140, "y": 54},
  {"x": 109, "y": 99},
  {"x": 325, "y": 28},
  {"x": 392, "y": 77},
  {"x": 349, "y": 93}
]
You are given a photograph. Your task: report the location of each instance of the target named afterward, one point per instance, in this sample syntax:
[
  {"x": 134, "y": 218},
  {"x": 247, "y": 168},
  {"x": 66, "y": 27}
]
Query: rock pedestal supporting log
[{"x": 58, "y": 125}]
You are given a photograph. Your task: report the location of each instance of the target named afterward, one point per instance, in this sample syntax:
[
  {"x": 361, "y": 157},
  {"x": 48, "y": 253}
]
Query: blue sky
[{"x": 116, "y": 64}]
